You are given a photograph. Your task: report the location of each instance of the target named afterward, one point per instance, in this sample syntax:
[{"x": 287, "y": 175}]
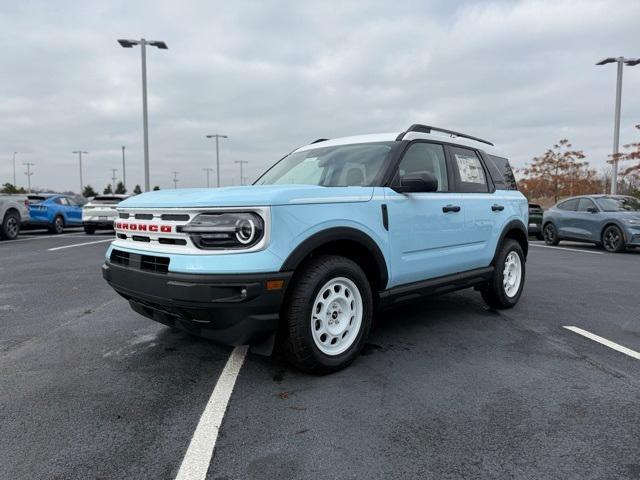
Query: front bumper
[{"x": 230, "y": 309}]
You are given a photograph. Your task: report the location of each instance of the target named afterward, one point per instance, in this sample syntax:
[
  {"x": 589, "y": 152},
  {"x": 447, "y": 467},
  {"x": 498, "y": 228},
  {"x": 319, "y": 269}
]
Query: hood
[{"x": 248, "y": 196}]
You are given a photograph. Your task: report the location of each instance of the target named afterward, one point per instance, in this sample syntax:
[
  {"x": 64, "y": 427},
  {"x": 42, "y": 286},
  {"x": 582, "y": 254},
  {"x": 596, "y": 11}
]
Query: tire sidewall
[
  {"x": 621, "y": 245},
  {"x": 5, "y": 226},
  {"x": 58, "y": 221},
  {"x": 553, "y": 228},
  {"x": 509, "y": 246},
  {"x": 350, "y": 270}
]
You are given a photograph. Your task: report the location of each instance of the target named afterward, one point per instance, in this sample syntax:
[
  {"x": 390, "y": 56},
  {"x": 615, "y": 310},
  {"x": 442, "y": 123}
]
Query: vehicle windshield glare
[
  {"x": 619, "y": 204},
  {"x": 338, "y": 166}
]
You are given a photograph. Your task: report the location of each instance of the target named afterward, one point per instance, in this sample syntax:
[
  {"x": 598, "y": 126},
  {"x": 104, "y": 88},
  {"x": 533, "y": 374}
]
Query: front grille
[
  {"x": 175, "y": 217},
  {"x": 143, "y": 262},
  {"x": 144, "y": 216},
  {"x": 139, "y": 238},
  {"x": 124, "y": 215}
]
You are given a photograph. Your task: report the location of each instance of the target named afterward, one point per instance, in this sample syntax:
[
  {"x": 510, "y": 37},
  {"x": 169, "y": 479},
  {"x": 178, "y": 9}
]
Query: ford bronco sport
[{"x": 330, "y": 233}]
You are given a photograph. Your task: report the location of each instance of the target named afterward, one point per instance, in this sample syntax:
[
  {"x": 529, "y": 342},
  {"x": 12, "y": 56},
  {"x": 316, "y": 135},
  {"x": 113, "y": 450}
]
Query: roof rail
[
  {"x": 416, "y": 127},
  {"x": 319, "y": 140}
]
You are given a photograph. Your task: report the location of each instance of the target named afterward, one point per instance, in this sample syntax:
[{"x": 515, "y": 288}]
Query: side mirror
[
  {"x": 418, "y": 182},
  {"x": 592, "y": 210}
]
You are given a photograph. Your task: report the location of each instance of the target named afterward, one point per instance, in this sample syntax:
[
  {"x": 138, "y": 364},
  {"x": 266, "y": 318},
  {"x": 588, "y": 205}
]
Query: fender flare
[
  {"x": 331, "y": 235},
  {"x": 511, "y": 226}
]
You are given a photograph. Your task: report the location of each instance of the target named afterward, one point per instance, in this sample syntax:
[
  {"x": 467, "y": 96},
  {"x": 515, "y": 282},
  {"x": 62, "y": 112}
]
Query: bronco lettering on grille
[{"x": 144, "y": 227}]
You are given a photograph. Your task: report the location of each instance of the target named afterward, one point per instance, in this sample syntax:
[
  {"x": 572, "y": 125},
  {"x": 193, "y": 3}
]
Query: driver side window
[{"x": 422, "y": 157}]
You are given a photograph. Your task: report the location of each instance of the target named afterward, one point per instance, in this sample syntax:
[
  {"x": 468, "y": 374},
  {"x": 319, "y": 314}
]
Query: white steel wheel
[
  {"x": 336, "y": 316},
  {"x": 512, "y": 274}
]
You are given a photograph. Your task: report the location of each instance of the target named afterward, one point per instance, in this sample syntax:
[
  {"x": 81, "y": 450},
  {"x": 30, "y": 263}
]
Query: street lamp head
[
  {"x": 216, "y": 135},
  {"x": 607, "y": 60},
  {"x": 127, "y": 43},
  {"x": 632, "y": 62},
  {"x": 158, "y": 43}
]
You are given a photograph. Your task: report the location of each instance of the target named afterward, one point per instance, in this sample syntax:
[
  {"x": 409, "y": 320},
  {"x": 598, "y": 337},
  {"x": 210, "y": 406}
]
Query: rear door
[
  {"x": 73, "y": 210},
  {"x": 565, "y": 218},
  {"x": 485, "y": 208},
  {"x": 425, "y": 229}
]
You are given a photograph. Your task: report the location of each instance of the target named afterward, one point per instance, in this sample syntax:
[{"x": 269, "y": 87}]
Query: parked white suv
[{"x": 100, "y": 212}]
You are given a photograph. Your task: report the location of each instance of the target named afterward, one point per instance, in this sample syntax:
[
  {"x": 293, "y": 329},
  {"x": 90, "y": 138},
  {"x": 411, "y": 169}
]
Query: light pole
[
  {"x": 143, "y": 53},
  {"x": 217, "y": 136},
  {"x": 14, "y": 169},
  {"x": 616, "y": 125},
  {"x": 208, "y": 170},
  {"x": 175, "y": 179},
  {"x": 124, "y": 172},
  {"x": 80, "y": 152},
  {"x": 28, "y": 173},
  {"x": 241, "y": 162},
  {"x": 113, "y": 178}
]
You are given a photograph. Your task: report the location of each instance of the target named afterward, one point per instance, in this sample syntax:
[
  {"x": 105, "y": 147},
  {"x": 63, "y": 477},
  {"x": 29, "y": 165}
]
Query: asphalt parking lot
[{"x": 445, "y": 388}]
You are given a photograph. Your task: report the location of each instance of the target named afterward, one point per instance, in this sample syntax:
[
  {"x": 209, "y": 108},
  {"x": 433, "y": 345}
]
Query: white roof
[{"x": 390, "y": 137}]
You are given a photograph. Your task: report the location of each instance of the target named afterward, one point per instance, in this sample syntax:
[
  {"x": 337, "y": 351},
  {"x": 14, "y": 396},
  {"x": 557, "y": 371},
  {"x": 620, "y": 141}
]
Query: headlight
[{"x": 219, "y": 231}]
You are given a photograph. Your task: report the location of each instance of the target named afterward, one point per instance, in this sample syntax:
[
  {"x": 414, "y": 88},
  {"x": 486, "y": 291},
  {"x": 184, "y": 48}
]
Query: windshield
[
  {"x": 339, "y": 166},
  {"x": 619, "y": 204}
]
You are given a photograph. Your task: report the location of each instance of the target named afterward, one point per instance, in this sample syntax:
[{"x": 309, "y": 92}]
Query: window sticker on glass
[{"x": 469, "y": 168}]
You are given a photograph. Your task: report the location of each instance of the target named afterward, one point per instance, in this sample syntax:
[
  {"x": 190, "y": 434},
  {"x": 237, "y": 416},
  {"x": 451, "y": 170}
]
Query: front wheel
[
  {"x": 612, "y": 239},
  {"x": 505, "y": 288},
  {"x": 10, "y": 226},
  {"x": 327, "y": 315}
]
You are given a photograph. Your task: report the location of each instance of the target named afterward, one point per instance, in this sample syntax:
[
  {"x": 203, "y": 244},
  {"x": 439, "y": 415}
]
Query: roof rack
[
  {"x": 416, "y": 127},
  {"x": 319, "y": 140}
]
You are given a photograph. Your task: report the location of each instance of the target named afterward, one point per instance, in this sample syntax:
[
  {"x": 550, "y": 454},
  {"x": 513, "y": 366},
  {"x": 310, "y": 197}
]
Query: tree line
[
  {"x": 87, "y": 192},
  {"x": 562, "y": 171}
]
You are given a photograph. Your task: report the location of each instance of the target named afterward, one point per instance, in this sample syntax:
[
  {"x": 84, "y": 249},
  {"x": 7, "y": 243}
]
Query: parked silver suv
[{"x": 14, "y": 211}]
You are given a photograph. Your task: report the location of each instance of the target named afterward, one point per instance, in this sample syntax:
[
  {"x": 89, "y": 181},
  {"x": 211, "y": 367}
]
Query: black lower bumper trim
[{"x": 231, "y": 309}]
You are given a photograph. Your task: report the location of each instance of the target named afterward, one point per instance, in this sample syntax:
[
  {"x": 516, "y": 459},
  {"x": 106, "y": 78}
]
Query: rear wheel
[
  {"x": 10, "y": 226},
  {"x": 612, "y": 239},
  {"x": 58, "y": 225},
  {"x": 327, "y": 315},
  {"x": 89, "y": 230},
  {"x": 550, "y": 234},
  {"x": 505, "y": 288}
]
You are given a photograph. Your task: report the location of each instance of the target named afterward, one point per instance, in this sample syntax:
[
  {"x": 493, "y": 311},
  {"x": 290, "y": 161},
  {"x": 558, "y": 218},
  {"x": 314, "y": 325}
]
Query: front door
[{"x": 425, "y": 229}]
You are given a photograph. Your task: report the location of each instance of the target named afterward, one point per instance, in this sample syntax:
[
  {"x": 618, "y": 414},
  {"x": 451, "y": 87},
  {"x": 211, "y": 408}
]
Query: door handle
[
  {"x": 497, "y": 208},
  {"x": 450, "y": 208}
]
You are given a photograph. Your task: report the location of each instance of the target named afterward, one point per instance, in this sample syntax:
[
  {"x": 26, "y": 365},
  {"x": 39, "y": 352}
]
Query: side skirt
[{"x": 448, "y": 283}]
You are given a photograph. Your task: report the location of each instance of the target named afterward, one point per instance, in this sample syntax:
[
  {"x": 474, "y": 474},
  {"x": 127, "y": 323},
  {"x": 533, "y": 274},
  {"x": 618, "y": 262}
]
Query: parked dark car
[
  {"x": 535, "y": 220},
  {"x": 610, "y": 221}
]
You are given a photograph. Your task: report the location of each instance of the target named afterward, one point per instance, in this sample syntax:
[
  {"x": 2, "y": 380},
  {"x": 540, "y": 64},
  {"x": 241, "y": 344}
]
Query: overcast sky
[{"x": 274, "y": 75}]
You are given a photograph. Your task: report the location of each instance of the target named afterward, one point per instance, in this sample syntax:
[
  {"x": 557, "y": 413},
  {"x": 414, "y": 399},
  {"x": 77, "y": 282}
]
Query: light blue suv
[{"x": 330, "y": 233}]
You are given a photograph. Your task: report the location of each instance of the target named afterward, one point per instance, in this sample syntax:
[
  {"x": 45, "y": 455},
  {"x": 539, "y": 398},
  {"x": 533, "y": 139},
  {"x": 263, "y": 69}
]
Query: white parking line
[
  {"x": 195, "y": 463},
  {"x": 604, "y": 341},
  {"x": 38, "y": 237},
  {"x": 79, "y": 244},
  {"x": 565, "y": 248}
]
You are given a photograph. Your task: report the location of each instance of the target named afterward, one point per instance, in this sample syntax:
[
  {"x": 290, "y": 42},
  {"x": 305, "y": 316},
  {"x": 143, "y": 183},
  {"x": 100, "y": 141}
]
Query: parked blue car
[
  {"x": 54, "y": 212},
  {"x": 609, "y": 221},
  {"x": 333, "y": 231}
]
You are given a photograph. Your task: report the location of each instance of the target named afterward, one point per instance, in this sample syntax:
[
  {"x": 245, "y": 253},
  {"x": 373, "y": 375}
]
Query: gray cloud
[{"x": 275, "y": 75}]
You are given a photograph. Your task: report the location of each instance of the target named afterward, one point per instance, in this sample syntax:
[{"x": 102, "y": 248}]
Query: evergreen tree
[
  {"x": 88, "y": 191},
  {"x": 120, "y": 188},
  {"x": 108, "y": 190},
  {"x": 137, "y": 190}
]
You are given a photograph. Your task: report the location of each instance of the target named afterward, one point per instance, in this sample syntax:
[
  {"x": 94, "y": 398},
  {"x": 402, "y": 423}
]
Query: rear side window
[
  {"x": 422, "y": 157},
  {"x": 501, "y": 173},
  {"x": 569, "y": 205},
  {"x": 468, "y": 171}
]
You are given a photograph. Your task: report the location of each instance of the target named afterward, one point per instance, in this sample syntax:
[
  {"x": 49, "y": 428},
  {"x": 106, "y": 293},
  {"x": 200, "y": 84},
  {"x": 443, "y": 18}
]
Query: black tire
[
  {"x": 539, "y": 236},
  {"x": 89, "y": 230},
  {"x": 495, "y": 294},
  {"x": 296, "y": 337},
  {"x": 57, "y": 227},
  {"x": 613, "y": 240},
  {"x": 550, "y": 234},
  {"x": 10, "y": 227}
]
